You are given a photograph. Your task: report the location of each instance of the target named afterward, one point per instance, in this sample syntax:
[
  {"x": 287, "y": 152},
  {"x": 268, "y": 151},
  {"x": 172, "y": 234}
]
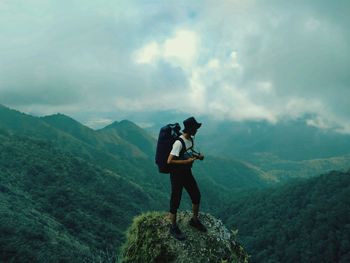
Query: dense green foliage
[
  {"x": 68, "y": 192},
  {"x": 306, "y": 221},
  {"x": 126, "y": 149},
  {"x": 56, "y": 205}
]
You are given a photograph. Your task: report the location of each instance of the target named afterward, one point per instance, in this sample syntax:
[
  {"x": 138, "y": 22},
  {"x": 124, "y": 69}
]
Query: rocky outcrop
[{"x": 148, "y": 240}]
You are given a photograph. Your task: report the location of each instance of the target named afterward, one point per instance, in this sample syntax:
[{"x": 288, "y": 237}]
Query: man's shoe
[
  {"x": 197, "y": 225},
  {"x": 176, "y": 232}
]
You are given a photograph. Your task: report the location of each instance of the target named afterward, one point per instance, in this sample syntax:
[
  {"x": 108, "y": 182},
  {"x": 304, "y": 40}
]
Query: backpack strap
[{"x": 183, "y": 149}]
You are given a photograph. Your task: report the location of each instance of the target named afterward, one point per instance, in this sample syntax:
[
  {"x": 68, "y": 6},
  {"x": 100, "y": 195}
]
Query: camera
[{"x": 197, "y": 156}]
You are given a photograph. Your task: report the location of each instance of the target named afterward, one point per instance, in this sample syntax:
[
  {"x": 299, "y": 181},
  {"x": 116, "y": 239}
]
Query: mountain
[
  {"x": 114, "y": 145},
  {"x": 258, "y": 145},
  {"x": 305, "y": 221},
  {"x": 69, "y": 192},
  {"x": 60, "y": 207},
  {"x": 288, "y": 149},
  {"x": 77, "y": 189},
  {"x": 17, "y": 122},
  {"x": 285, "y": 150},
  {"x": 133, "y": 134},
  {"x": 285, "y": 170},
  {"x": 148, "y": 240},
  {"x": 128, "y": 150},
  {"x": 289, "y": 140},
  {"x": 71, "y": 137}
]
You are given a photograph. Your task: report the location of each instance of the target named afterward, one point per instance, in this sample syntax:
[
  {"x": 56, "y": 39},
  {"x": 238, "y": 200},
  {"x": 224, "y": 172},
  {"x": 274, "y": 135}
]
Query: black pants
[{"x": 182, "y": 178}]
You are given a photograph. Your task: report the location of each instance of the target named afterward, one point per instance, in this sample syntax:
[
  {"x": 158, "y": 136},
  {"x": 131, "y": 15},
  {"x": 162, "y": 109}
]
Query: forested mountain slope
[
  {"x": 55, "y": 205},
  {"x": 69, "y": 192},
  {"x": 111, "y": 143},
  {"x": 133, "y": 134},
  {"x": 306, "y": 221},
  {"x": 128, "y": 150}
]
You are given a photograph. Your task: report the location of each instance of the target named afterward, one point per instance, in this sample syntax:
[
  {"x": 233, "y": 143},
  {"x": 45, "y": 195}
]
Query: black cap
[{"x": 191, "y": 124}]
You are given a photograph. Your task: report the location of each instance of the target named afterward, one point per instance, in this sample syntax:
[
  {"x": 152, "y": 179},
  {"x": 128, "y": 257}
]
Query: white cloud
[
  {"x": 319, "y": 122},
  {"x": 265, "y": 87},
  {"x": 152, "y": 102},
  {"x": 213, "y": 64},
  {"x": 182, "y": 48},
  {"x": 148, "y": 54},
  {"x": 197, "y": 99},
  {"x": 236, "y": 104},
  {"x": 296, "y": 107},
  {"x": 234, "y": 60},
  {"x": 239, "y": 59},
  {"x": 179, "y": 50}
]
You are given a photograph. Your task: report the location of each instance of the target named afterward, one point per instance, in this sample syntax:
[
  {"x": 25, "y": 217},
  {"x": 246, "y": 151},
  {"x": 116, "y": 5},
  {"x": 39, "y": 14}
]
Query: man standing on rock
[{"x": 181, "y": 159}]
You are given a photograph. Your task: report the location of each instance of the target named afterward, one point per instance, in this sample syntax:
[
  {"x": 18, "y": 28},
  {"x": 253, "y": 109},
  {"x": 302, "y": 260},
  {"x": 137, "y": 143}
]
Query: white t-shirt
[{"x": 177, "y": 146}]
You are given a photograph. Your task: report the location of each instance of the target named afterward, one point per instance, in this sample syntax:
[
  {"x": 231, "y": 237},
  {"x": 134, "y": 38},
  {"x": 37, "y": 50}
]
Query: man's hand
[
  {"x": 200, "y": 157},
  {"x": 190, "y": 160}
]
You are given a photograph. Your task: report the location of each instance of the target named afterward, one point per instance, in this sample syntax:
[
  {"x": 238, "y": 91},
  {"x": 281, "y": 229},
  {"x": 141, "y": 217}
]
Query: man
[{"x": 181, "y": 177}]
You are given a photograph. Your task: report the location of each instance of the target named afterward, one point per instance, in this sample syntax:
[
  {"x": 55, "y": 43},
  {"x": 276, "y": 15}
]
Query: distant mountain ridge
[
  {"x": 285, "y": 150},
  {"x": 133, "y": 134},
  {"x": 122, "y": 146},
  {"x": 250, "y": 143},
  {"x": 290, "y": 140},
  {"x": 109, "y": 142}
]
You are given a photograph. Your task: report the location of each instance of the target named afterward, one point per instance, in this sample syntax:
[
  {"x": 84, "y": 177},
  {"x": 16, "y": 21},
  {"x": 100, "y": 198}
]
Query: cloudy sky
[{"x": 98, "y": 61}]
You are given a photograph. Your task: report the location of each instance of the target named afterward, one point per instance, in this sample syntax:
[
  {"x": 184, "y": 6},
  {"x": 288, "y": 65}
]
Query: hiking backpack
[{"x": 167, "y": 136}]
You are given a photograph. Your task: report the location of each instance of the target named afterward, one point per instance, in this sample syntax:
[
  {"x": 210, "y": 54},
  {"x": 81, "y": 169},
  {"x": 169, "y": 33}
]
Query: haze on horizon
[{"x": 236, "y": 60}]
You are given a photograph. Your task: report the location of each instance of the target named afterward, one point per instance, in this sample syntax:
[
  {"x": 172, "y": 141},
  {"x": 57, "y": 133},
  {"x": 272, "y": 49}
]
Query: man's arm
[{"x": 172, "y": 160}]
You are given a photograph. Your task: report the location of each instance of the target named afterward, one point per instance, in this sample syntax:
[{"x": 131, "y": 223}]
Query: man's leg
[
  {"x": 195, "y": 211},
  {"x": 176, "y": 192},
  {"x": 191, "y": 187},
  {"x": 193, "y": 190}
]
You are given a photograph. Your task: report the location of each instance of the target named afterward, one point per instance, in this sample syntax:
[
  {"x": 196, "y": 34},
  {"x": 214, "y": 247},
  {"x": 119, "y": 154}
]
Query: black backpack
[{"x": 167, "y": 136}]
